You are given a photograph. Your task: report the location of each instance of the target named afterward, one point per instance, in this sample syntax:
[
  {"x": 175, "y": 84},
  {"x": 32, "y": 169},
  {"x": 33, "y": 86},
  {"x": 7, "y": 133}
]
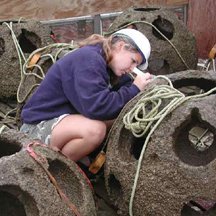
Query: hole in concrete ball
[
  {"x": 164, "y": 26},
  {"x": 9, "y": 147},
  {"x": 195, "y": 151},
  {"x": 28, "y": 41},
  {"x": 146, "y": 9},
  {"x": 16, "y": 202},
  {"x": 2, "y": 46},
  {"x": 10, "y": 205},
  {"x": 193, "y": 86},
  {"x": 198, "y": 207},
  {"x": 129, "y": 146},
  {"x": 115, "y": 187}
]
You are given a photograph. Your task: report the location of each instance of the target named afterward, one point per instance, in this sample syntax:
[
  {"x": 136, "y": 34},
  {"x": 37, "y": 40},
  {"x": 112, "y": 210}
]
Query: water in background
[
  {"x": 57, "y": 9},
  {"x": 48, "y": 10}
]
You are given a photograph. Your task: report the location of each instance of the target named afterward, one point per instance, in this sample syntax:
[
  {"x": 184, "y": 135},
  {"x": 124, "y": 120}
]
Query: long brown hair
[
  {"x": 107, "y": 43},
  {"x": 99, "y": 39}
]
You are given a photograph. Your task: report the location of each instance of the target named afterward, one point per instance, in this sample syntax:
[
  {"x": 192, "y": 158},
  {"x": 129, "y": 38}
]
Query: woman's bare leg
[{"x": 76, "y": 136}]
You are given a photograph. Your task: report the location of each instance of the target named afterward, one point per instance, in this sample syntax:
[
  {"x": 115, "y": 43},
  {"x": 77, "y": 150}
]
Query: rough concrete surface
[
  {"x": 178, "y": 53},
  {"x": 30, "y": 36},
  {"x": 173, "y": 172},
  {"x": 27, "y": 183}
]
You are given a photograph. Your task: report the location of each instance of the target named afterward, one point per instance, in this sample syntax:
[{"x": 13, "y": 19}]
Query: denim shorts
[{"x": 41, "y": 131}]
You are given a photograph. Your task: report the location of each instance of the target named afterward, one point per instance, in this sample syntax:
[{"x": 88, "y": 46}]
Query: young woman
[{"x": 83, "y": 92}]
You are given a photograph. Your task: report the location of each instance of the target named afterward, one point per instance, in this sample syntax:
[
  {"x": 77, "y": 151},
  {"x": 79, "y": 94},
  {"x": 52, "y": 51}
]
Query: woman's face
[{"x": 124, "y": 60}]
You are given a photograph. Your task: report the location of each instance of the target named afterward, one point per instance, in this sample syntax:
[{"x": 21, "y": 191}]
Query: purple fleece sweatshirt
[{"x": 78, "y": 83}]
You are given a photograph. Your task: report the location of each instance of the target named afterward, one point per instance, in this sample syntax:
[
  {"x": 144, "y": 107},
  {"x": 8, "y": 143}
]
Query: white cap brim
[{"x": 143, "y": 66}]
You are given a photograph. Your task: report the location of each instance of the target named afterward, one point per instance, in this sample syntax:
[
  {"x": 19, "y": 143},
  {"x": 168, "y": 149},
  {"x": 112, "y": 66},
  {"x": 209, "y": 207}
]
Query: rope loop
[{"x": 150, "y": 108}]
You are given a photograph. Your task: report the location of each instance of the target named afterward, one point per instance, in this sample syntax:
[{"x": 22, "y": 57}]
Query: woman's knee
[
  {"x": 73, "y": 127},
  {"x": 97, "y": 132}
]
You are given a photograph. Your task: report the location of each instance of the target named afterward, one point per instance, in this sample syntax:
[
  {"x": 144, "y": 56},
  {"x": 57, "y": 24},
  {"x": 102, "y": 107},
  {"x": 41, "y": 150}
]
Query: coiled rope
[{"x": 148, "y": 113}]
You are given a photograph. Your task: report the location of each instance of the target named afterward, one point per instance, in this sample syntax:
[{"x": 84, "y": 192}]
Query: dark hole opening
[
  {"x": 16, "y": 202},
  {"x": 2, "y": 46},
  {"x": 199, "y": 207},
  {"x": 10, "y": 205},
  {"x": 187, "y": 152},
  {"x": 115, "y": 186},
  {"x": 136, "y": 146},
  {"x": 9, "y": 148},
  {"x": 129, "y": 145},
  {"x": 146, "y": 9},
  {"x": 194, "y": 86},
  {"x": 164, "y": 26},
  {"x": 27, "y": 41}
]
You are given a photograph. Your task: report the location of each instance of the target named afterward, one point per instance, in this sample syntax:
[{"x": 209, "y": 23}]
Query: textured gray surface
[
  {"x": 31, "y": 35},
  {"x": 164, "y": 58},
  {"x": 25, "y": 186},
  {"x": 172, "y": 171}
]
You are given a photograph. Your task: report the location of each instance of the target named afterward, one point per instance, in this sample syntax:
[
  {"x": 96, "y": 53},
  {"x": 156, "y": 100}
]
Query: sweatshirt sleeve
[{"x": 90, "y": 94}]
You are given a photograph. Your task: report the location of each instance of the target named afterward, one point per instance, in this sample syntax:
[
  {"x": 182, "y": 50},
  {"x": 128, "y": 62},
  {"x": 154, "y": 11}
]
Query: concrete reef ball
[
  {"x": 178, "y": 167},
  {"x": 174, "y": 52},
  {"x": 46, "y": 184},
  {"x": 30, "y": 35}
]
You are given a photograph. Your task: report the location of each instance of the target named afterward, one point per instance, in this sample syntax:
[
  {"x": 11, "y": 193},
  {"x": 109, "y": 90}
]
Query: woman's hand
[{"x": 141, "y": 80}]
